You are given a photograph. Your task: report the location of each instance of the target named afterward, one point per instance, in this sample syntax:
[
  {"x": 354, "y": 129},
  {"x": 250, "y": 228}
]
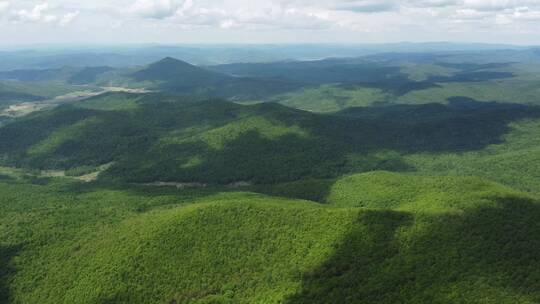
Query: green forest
[{"x": 387, "y": 178}]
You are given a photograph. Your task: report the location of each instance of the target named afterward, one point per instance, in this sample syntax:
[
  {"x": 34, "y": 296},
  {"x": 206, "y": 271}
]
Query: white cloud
[
  {"x": 229, "y": 14},
  {"x": 354, "y": 15},
  {"x": 524, "y": 13},
  {"x": 233, "y": 20},
  {"x": 40, "y": 13},
  {"x": 67, "y": 18},
  {"x": 469, "y": 13},
  {"x": 157, "y": 9},
  {"x": 499, "y": 5},
  {"x": 35, "y": 14}
]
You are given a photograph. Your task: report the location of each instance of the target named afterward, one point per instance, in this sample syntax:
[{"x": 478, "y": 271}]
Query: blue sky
[{"x": 270, "y": 21}]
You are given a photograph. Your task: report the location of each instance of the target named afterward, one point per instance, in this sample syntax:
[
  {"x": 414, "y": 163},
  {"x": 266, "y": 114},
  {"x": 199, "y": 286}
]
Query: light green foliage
[
  {"x": 61, "y": 136},
  {"x": 393, "y": 191},
  {"x": 514, "y": 162},
  {"x": 272, "y": 130},
  {"x": 329, "y": 98},
  {"x": 42, "y": 89},
  {"x": 416, "y": 239},
  {"x": 422, "y": 72},
  {"x": 512, "y": 91}
]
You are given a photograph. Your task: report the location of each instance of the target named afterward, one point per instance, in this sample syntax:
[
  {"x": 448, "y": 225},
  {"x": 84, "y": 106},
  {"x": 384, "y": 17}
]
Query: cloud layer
[
  {"x": 387, "y": 19},
  {"x": 351, "y": 14},
  {"x": 38, "y": 13}
]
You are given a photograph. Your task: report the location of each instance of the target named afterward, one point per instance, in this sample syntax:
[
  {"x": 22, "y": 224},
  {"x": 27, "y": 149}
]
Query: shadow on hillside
[
  {"x": 315, "y": 190},
  {"x": 474, "y": 67},
  {"x": 398, "y": 86},
  {"x": 162, "y": 142},
  {"x": 6, "y": 271},
  {"x": 489, "y": 253},
  {"x": 472, "y": 76},
  {"x": 462, "y": 125},
  {"x": 365, "y": 252},
  {"x": 362, "y": 133}
]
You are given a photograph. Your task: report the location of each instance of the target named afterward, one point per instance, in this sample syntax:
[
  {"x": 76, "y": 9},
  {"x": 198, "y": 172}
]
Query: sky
[{"x": 268, "y": 21}]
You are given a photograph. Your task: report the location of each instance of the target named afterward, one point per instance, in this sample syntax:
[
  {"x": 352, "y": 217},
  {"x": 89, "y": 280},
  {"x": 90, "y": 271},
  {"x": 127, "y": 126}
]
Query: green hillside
[
  {"x": 182, "y": 74},
  {"x": 392, "y": 178},
  {"x": 336, "y": 84},
  {"x": 162, "y": 138},
  {"x": 414, "y": 240}
]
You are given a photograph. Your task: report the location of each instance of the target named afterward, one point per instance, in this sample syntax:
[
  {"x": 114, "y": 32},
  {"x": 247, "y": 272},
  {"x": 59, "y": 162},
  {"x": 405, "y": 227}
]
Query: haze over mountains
[{"x": 47, "y": 57}]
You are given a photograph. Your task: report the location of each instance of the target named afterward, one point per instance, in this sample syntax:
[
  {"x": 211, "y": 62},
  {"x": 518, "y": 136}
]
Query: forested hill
[
  {"x": 176, "y": 76},
  {"x": 171, "y": 71},
  {"x": 157, "y": 137},
  {"x": 389, "y": 179}
]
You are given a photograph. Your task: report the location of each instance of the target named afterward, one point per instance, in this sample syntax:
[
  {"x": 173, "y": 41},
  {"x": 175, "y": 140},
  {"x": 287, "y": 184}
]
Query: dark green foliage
[
  {"x": 464, "y": 124},
  {"x": 14, "y": 92},
  {"x": 316, "y": 72},
  {"x": 88, "y": 75},
  {"x": 32, "y": 75},
  {"x": 316, "y": 190},
  {"x": 473, "y": 67},
  {"x": 13, "y": 97},
  {"x": 182, "y": 74},
  {"x": 79, "y": 171},
  {"x": 472, "y": 77},
  {"x": 10, "y": 95},
  {"x": 488, "y": 260},
  {"x": 7, "y": 252},
  {"x": 218, "y": 142},
  {"x": 176, "y": 76}
]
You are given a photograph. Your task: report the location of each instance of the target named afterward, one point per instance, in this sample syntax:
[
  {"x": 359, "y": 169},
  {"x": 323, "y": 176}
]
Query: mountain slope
[
  {"x": 433, "y": 244},
  {"x": 177, "y": 74},
  {"x": 156, "y": 137}
]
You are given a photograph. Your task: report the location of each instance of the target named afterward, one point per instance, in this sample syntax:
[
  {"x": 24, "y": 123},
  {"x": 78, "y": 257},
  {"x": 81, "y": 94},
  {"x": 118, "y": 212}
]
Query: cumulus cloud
[
  {"x": 35, "y": 14},
  {"x": 230, "y": 14},
  {"x": 67, "y": 18},
  {"x": 391, "y": 18},
  {"x": 354, "y": 15},
  {"x": 157, "y": 9},
  {"x": 41, "y": 13}
]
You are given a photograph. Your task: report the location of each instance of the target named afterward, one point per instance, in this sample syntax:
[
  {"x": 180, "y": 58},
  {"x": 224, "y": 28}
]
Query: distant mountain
[
  {"x": 89, "y": 74},
  {"x": 69, "y": 75},
  {"x": 47, "y": 57},
  {"x": 177, "y": 76},
  {"x": 351, "y": 70},
  {"x": 36, "y": 75}
]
